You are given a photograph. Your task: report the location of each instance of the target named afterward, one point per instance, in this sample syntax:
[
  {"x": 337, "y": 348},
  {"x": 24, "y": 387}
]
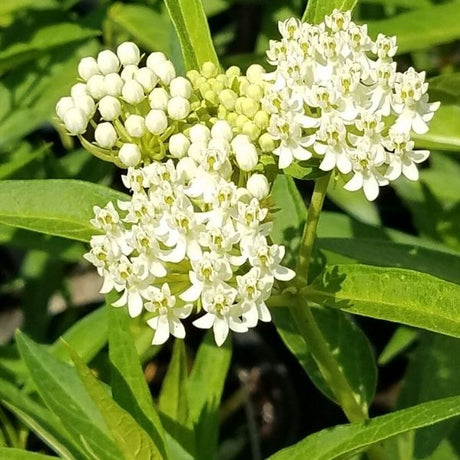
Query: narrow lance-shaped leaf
[
  {"x": 129, "y": 436},
  {"x": 193, "y": 31},
  {"x": 343, "y": 441},
  {"x": 205, "y": 387},
  {"x": 392, "y": 294},
  {"x": 19, "y": 454},
  {"x": 129, "y": 388},
  {"x": 56, "y": 207},
  {"x": 63, "y": 392}
]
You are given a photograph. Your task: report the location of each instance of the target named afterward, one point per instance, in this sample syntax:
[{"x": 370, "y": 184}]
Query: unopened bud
[
  {"x": 255, "y": 92},
  {"x": 109, "y": 108},
  {"x": 267, "y": 144},
  {"x": 79, "y": 89},
  {"x": 155, "y": 59},
  {"x": 186, "y": 169},
  {"x": 64, "y": 104},
  {"x": 158, "y": 99},
  {"x": 86, "y": 104},
  {"x": 258, "y": 186},
  {"x": 156, "y": 121},
  {"x": 178, "y": 108},
  {"x": 209, "y": 70},
  {"x": 96, "y": 87},
  {"x": 165, "y": 71},
  {"x": 132, "y": 92},
  {"x": 222, "y": 130},
  {"x": 249, "y": 107},
  {"x": 113, "y": 84},
  {"x": 178, "y": 145},
  {"x": 128, "y": 72},
  {"x": 233, "y": 72},
  {"x": 181, "y": 87},
  {"x": 251, "y": 130},
  {"x": 108, "y": 62},
  {"x": 261, "y": 119},
  {"x": 135, "y": 125},
  {"x": 255, "y": 73},
  {"x": 105, "y": 135},
  {"x": 128, "y": 53},
  {"x": 75, "y": 121},
  {"x": 227, "y": 98},
  {"x": 88, "y": 67},
  {"x": 199, "y": 133},
  {"x": 246, "y": 155},
  {"x": 129, "y": 154},
  {"x": 146, "y": 78}
]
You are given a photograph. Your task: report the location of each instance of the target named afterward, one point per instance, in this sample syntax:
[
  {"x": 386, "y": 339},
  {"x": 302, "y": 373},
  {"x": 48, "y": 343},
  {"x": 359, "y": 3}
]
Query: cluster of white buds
[
  {"x": 126, "y": 111},
  {"x": 189, "y": 240},
  {"x": 336, "y": 95}
]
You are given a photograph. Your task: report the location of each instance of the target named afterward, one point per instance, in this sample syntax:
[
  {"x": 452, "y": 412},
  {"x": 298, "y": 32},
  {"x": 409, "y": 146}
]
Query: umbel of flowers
[{"x": 194, "y": 238}]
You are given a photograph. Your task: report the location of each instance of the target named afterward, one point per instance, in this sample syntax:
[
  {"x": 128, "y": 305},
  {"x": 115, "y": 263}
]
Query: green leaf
[
  {"x": 357, "y": 362},
  {"x": 63, "y": 392},
  {"x": 129, "y": 388},
  {"x": 19, "y": 454},
  {"x": 11, "y": 6},
  {"x": 393, "y": 294},
  {"x": 55, "y": 207},
  {"x": 305, "y": 170},
  {"x": 445, "y": 88},
  {"x": 402, "y": 338},
  {"x": 422, "y": 28},
  {"x": 355, "y": 204},
  {"x": 317, "y": 9},
  {"x": 149, "y": 28},
  {"x": 193, "y": 31},
  {"x": 88, "y": 336},
  {"x": 173, "y": 400},
  {"x": 40, "y": 420},
  {"x": 389, "y": 254},
  {"x": 433, "y": 373},
  {"x": 444, "y": 133},
  {"x": 130, "y": 438},
  {"x": 343, "y": 441},
  {"x": 205, "y": 387}
]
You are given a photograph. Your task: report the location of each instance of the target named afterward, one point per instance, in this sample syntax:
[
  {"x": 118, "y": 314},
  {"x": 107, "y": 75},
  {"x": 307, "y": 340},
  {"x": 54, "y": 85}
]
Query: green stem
[
  {"x": 308, "y": 328},
  {"x": 309, "y": 232}
]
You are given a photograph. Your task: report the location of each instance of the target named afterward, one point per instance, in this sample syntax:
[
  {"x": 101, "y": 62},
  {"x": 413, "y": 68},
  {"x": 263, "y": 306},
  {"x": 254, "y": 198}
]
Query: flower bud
[
  {"x": 254, "y": 92},
  {"x": 64, "y": 104},
  {"x": 158, "y": 99},
  {"x": 233, "y": 71},
  {"x": 128, "y": 72},
  {"x": 199, "y": 133},
  {"x": 154, "y": 60},
  {"x": 75, "y": 121},
  {"x": 196, "y": 150},
  {"x": 135, "y": 125},
  {"x": 222, "y": 130},
  {"x": 132, "y": 92},
  {"x": 209, "y": 70},
  {"x": 178, "y": 108},
  {"x": 88, "y": 67},
  {"x": 156, "y": 121},
  {"x": 128, "y": 53},
  {"x": 240, "y": 139},
  {"x": 258, "y": 186},
  {"x": 246, "y": 155},
  {"x": 109, "y": 108},
  {"x": 186, "y": 169},
  {"x": 178, "y": 145},
  {"x": 146, "y": 78},
  {"x": 113, "y": 84},
  {"x": 108, "y": 62},
  {"x": 261, "y": 119},
  {"x": 193, "y": 75},
  {"x": 267, "y": 144},
  {"x": 86, "y": 104},
  {"x": 129, "y": 154},
  {"x": 105, "y": 135},
  {"x": 228, "y": 98},
  {"x": 241, "y": 121},
  {"x": 79, "y": 89},
  {"x": 211, "y": 97},
  {"x": 181, "y": 87},
  {"x": 251, "y": 130},
  {"x": 96, "y": 87},
  {"x": 249, "y": 107},
  {"x": 165, "y": 71},
  {"x": 255, "y": 73}
]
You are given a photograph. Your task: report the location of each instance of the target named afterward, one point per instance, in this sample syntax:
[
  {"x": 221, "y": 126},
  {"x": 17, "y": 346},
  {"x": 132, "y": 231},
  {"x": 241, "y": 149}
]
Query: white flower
[
  {"x": 129, "y": 154},
  {"x": 222, "y": 314},
  {"x": 128, "y": 53},
  {"x": 258, "y": 186},
  {"x": 105, "y": 135},
  {"x": 246, "y": 155}
]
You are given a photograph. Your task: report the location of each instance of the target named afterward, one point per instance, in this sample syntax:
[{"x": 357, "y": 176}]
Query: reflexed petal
[
  {"x": 419, "y": 155},
  {"x": 192, "y": 293},
  {"x": 205, "y": 322},
  {"x": 283, "y": 273},
  {"x": 355, "y": 183},
  {"x": 328, "y": 162},
  {"x": 394, "y": 169},
  {"x": 371, "y": 187},
  {"x": 220, "y": 329},
  {"x": 162, "y": 331},
  {"x": 135, "y": 304},
  {"x": 410, "y": 170},
  {"x": 176, "y": 328}
]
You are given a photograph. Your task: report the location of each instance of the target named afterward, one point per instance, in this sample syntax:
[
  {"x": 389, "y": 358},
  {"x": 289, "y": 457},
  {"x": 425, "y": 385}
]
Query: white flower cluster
[
  {"x": 132, "y": 109},
  {"x": 336, "y": 95},
  {"x": 189, "y": 239}
]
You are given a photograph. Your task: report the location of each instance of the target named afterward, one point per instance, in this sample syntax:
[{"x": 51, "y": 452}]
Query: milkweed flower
[
  {"x": 177, "y": 247},
  {"x": 335, "y": 95}
]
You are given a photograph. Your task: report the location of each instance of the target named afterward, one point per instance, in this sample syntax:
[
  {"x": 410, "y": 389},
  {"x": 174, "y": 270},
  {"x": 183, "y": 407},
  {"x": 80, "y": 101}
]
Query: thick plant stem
[
  {"x": 309, "y": 232},
  {"x": 308, "y": 328}
]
